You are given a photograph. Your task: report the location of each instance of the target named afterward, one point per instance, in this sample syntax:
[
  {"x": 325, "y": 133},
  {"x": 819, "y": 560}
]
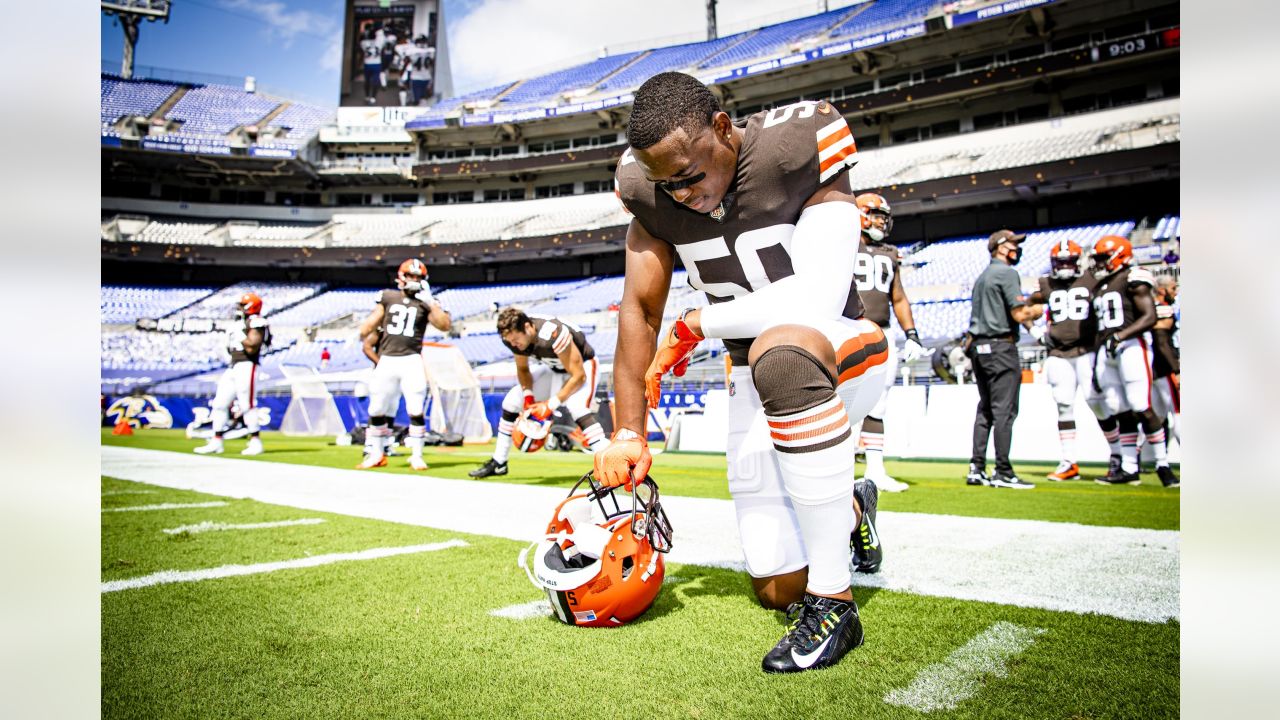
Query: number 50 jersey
[
  {"x": 1073, "y": 328},
  {"x": 403, "y": 324},
  {"x": 787, "y": 154}
]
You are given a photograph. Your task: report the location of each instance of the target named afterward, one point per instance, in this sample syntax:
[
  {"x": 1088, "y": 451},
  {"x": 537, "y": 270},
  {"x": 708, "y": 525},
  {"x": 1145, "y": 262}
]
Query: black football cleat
[
  {"x": 1120, "y": 477},
  {"x": 1012, "y": 482},
  {"x": 1113, "y": 465},
  {"x": 865, "y": 539},
  {"x": 1167, "y": 478},
  {"x": 976, "y": 476},
  {"x": 489, "y": 468},
  {"x": 822, "y": 631}
]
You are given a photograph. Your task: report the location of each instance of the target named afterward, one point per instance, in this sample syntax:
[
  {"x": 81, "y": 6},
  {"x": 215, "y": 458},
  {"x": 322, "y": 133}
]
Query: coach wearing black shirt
[{"x": 998, "y": 310}]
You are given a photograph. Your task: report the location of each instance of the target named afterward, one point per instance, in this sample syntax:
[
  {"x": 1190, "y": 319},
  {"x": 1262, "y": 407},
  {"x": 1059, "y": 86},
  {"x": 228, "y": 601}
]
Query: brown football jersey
[
  {"x": 238, "y": 353},
  {"x": 1113, "y": 300},
  {"x": 1073, "y": 329},
  {"x": 1166, "y": 358},
  {"x": 873, "y": 276},
  {"x": 404, "y": 321},
  {"x": 551, "y": 336},
  {"x": 787, "y": 154}
]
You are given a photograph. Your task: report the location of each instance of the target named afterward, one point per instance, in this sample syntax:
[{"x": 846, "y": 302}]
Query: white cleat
[
  {"x": 884, "y": 483},
  {"x": 417, "y": 463},
  {"x": 253, "y": 448},
  {"x": 371, "y": 461},
  {"x": 213, "y": 447}
]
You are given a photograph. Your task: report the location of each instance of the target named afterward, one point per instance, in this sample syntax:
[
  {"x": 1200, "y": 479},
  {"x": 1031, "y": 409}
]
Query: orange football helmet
[
  {"x": 530, "y": 433},
  {"x": 250, "y": 303},
  {"x": 872, "y": 204},
  {"x": 412, "y": 275},
  {"x": 1064, "y": 260},
  {"x": 1112, "y": 253},
  {"x": 601, "y": 565}
]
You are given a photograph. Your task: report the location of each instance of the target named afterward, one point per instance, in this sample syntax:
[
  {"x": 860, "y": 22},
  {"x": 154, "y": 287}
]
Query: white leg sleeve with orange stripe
[
  {"x": 816, "y": 455},
  {"x": 245, "y": 374}
]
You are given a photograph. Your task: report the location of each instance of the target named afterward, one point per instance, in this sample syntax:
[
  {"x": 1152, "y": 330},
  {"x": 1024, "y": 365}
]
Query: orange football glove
[
  {"x": 625, "y": 460},
  {"x": 673, "y": 354}
]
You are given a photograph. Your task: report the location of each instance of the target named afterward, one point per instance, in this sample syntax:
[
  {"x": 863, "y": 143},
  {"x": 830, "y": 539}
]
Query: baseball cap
[{"x": 1002, "y": 236}]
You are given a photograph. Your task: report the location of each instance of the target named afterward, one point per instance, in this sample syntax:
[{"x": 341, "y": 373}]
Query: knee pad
[
  {"x": 790, "y": 379},
  {"x": 1066, "y": 412},
  {"x": 587, "y": 420},
  {"x": 379, "y": 420},
  {"x": 509, "y": 415},
  {"x": 1107, "y": 424},
  {"x": 1128, "y": 422},
  {"x": 1151, "y": 423},
  {"x": 417, "y": 419}
]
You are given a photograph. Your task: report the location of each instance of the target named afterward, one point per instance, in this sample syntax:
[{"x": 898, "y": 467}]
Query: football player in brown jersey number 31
[{"x": 762, "y": 216}]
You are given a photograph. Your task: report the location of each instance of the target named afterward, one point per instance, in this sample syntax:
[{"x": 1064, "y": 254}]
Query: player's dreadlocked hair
[
  {"x": 665, "y": 102},
  {"x": 511, "y": 318}
]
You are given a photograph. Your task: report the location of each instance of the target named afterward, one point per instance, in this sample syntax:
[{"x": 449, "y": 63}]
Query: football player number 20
[
  {"x": 1109, "y": 310},
  {"x": 1070, "y": 304},
  {"x": 403, "y": 320}
]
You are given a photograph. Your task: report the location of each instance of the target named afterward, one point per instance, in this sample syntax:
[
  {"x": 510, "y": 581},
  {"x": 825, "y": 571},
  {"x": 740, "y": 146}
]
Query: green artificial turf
[
  {"x": 411, "y": 636},
  {"x": 937, "y": 487}
]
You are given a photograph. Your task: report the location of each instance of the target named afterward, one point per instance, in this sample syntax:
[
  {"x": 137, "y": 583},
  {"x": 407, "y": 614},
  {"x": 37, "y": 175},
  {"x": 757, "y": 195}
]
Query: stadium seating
[
  {"x": 121, "y": 97},
  {"x": 774, "y": 39},
  {"x": 301, "y": 121},
  {"x": 594, "y": 296},
  {"x": 883, "y": 15},
  {"x": 1168, "y": 228},
  {"x": 675, "y": 57},
  {"x": 212, "y": 111},
  {"x": 326, "y": 307},
  {"x": 126, "y": 304},
  {"x": 177, "y": 233},
  {"x": 275, "y": 297},
  {"x": 464, "y": 302},
  {"x": 269, "y": 235},
  {"x": 141, "y": 351},
  {"x": 578, "y": 77}
]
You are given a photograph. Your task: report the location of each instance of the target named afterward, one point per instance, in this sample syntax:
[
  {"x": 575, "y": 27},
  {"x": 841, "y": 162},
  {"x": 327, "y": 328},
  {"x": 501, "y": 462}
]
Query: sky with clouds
[{"x": 293, "y": 47}]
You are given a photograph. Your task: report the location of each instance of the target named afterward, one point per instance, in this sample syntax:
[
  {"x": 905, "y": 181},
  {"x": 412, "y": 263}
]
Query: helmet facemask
[
  {"x": 601, "y": 563},
  {"x": 1064, "y": 266},
  {"x": 877, "y": 233}
]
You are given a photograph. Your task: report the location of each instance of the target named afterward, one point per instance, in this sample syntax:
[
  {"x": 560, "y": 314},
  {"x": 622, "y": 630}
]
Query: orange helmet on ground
[
  {"x": 1064, "y": 260},
  {"x": 1111, "y": 254},
  {"x": 250, "y": 303},
  {"x": 412, "y": 275},
  {"x": 874, "y": 206},
  {"x": 529, "y": 433},
  {"x": 600, "y": 564}
]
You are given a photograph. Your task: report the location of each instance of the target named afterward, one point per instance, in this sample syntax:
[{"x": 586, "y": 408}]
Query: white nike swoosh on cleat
[{"x": 806, "y": 660}]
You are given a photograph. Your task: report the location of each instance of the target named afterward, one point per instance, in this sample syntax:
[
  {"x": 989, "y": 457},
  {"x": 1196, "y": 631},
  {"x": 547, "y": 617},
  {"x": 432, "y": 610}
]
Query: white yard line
[
  {"x": 210, "y": 526},
  {"x": 1122, "y": 572},
  {"x": 944, "y": 685},
  {"x": 524, "y": 611},
  {"x": 165, "y": 577},
  {"x": 167, "y": 506}
]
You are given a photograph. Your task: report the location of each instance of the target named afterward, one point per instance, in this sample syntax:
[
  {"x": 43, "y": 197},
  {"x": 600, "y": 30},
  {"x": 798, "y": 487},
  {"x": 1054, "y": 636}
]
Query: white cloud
[
  {"x": 283, "y": 24},
  {"x": 505, "y": 40}
]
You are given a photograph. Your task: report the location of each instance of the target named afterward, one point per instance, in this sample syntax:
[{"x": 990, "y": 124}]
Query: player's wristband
[
  {"x": 913, "y": 336},
  {"x": 528, "y": 393},
  {"x": 626, "y": 434},
  {"x": 553, "y": 402}
]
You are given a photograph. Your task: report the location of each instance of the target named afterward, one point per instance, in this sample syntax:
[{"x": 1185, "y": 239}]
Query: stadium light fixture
[{"x": 130, "y": 14}]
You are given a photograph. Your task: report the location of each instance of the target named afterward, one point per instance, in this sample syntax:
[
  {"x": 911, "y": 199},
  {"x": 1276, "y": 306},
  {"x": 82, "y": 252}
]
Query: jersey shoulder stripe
[
  {"x": 562, "y": 341},
  {"x": 1141, "y": 275},
  {"x": 835, "y": 148},
  {"x": 548, "y": 330}
]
